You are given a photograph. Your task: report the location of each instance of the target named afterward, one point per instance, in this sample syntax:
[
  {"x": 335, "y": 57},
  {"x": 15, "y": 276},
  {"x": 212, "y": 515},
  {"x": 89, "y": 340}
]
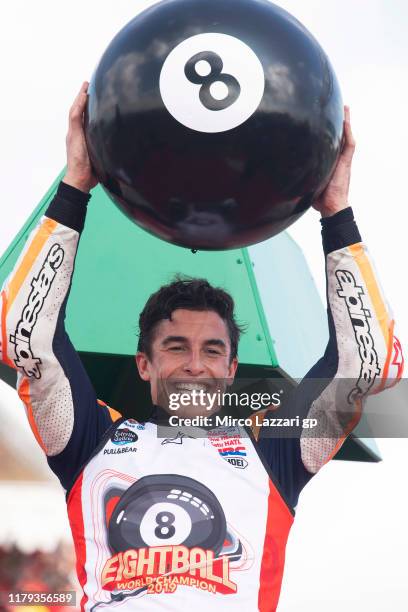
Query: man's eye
[
  {"x": 176, "y": 348},
  {"x": 213, "y": 351}
]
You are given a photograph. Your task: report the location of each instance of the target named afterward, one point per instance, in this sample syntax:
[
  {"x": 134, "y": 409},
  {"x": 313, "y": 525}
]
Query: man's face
[{"x": 190, "y": 352}]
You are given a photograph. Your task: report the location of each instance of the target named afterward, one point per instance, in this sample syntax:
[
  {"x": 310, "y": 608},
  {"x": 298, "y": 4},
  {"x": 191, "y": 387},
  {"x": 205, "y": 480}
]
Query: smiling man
[
  {"x": 189, "y": 328},
  {"x": 185, "y": 522}
]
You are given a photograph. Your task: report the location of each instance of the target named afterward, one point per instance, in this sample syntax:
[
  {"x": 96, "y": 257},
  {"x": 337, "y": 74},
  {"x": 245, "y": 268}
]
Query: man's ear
[{"x": 143, "y": 366}]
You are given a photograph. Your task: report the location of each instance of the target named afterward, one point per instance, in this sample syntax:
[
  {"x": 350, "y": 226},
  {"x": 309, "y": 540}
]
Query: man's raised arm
[
  {"x": 363, "y": 355},
  {"x": 59, "y": 399}
]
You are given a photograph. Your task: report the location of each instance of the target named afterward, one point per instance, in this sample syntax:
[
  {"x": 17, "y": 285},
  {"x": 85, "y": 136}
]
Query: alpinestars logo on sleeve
[
  {"x": 359, "y": 315},
  {"x": 40, "y": 287}
]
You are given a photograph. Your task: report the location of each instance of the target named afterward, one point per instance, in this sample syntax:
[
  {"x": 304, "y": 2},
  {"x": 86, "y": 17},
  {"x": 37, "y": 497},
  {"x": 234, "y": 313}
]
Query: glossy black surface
[{"x": 214, "y": 190}]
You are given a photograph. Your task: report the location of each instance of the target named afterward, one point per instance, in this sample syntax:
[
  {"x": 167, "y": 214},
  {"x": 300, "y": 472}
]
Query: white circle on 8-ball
[
  {"x": 165, "y": 523},
  {"x": 212, "y": 82}
]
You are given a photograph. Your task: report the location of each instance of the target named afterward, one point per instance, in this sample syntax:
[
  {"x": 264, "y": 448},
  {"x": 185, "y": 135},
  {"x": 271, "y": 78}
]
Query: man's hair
[{"x": 190, "y": 294}]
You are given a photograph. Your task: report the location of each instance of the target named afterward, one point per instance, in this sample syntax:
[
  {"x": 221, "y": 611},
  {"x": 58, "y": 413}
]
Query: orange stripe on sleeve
[
  {"x": 114, "y": 414},
  {"x": 367, "y": 273},
  {"x": 354, "y": 422},
  {"x": 24, "y": 393},
  {"x": 4, "y": 331},
  {"x": 389, "y": 355},
  {"x": 44, "y": 232}
]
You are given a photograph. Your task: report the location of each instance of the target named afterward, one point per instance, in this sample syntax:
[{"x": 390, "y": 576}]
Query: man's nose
[{"x": 194, "y": 365}]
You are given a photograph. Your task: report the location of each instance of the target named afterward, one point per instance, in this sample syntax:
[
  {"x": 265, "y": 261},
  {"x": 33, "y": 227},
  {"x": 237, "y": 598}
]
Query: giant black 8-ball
[{"x": 214, "y": 124}]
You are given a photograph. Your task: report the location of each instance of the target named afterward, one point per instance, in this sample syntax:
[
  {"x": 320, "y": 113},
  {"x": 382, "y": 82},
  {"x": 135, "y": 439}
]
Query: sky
[{"x": 348, "y": 545}]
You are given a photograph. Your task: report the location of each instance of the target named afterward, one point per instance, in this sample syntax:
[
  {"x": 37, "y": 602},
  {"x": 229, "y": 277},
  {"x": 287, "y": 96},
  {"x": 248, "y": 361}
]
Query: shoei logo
[
  {"x": 212, "y": 82},
  {"x": 351, "y": 293},
  {"x": 41, "y": 286},
  {"x": 234, "y": 458}
]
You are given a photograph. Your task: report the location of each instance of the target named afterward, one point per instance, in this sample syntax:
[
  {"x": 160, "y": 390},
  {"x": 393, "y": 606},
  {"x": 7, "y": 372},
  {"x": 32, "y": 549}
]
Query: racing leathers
[{"x": 184, "y": 522}]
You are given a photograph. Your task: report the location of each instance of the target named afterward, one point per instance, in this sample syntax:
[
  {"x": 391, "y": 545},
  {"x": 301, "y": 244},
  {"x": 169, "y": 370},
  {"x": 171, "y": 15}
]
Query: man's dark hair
[{"x": 190, "y": 294}]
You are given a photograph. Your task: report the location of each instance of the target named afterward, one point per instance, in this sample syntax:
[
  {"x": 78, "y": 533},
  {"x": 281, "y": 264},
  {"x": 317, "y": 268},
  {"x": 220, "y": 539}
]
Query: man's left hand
[{"x": 335, "y": 197}]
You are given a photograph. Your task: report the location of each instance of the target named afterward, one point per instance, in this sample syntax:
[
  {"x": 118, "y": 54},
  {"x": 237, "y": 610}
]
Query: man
[{"x": 169, "y": 524}]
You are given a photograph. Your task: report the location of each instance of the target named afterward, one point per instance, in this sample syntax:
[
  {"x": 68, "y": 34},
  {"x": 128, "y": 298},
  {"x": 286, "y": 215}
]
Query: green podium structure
[{"x": 119, "y": 266}]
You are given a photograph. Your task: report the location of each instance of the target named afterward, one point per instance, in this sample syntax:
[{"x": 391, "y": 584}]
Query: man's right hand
[{"x": 79, "y": 170}]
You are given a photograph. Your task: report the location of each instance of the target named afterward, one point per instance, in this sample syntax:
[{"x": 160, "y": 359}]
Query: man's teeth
[{"x": 190, "y": 387}]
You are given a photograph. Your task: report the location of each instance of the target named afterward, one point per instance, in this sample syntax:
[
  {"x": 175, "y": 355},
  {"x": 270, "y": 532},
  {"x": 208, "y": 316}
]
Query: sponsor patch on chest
[
  {"x": 230, "y": 447},
  {"x": 123, "y": 440}
]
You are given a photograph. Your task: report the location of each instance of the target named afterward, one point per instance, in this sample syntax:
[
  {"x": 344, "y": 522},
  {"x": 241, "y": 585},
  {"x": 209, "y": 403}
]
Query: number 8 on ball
[{"x": 212, "y": 82}]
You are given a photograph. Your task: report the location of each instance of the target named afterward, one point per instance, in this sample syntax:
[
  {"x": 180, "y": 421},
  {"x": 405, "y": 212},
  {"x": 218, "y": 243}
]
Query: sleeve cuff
[
  {"x": 68, "y": 207},
  {"x": 339, "y": 231}
]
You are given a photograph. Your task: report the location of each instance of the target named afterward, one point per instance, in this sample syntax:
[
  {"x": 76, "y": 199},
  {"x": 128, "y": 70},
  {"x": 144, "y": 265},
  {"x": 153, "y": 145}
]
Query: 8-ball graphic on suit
[{"x": 167, "y": 509}]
